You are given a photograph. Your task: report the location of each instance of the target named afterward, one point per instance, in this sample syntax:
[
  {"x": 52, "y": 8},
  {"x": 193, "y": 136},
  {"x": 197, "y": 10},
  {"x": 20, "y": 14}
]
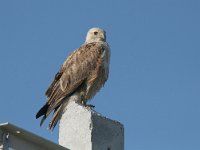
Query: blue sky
[{"x": 154, "y": 82}]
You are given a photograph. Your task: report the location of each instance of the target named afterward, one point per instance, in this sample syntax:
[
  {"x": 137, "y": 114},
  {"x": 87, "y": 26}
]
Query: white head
[{"x": 95, "y": 35}]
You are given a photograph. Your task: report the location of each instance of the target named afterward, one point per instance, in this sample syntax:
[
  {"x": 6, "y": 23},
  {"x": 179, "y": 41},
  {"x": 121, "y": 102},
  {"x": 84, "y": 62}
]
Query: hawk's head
[{"x": 95, "y": 35}]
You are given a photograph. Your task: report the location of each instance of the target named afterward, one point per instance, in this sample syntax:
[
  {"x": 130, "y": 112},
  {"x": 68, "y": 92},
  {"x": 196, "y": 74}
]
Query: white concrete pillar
[{"x": 84, "y": 129}]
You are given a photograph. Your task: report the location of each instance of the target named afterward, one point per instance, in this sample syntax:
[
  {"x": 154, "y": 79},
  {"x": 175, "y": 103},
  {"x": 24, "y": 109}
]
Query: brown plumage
[{"x": 82, "y": 74}]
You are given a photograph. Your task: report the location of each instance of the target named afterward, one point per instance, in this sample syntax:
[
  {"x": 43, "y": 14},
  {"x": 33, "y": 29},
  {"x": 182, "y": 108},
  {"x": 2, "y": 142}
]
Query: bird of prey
[{"x": 82, "y": 75}]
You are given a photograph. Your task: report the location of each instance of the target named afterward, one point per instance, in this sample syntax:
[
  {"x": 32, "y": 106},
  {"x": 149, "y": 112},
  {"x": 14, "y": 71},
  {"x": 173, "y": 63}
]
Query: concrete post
[{"x": 84, "y": 129}]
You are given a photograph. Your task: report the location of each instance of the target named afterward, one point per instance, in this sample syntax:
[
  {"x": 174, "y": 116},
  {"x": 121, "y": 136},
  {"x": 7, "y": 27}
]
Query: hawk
[{"x": 82, "y": 75}]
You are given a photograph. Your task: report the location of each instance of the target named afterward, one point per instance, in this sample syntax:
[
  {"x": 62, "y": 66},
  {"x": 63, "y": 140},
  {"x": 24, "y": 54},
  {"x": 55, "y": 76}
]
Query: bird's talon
[{"x": 90, "y": 106}]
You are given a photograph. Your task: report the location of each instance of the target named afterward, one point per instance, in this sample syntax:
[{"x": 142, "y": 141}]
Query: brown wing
[{"x": 74, "y": 71}]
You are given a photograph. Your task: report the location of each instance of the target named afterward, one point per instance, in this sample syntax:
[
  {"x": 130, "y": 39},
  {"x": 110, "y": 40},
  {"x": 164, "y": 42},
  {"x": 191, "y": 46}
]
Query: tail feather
[
  {"x": 42, "y": 120},
  {"x": 55, "y": 118},
  {"x": 42, "y": 111},
  {"x": 57, "y": 114},
  {"x": 58, "y": 111}
]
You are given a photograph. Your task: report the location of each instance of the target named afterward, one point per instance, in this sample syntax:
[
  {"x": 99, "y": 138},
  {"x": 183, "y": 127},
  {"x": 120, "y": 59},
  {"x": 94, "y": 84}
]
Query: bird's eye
[{"x": 95, "y": 33}]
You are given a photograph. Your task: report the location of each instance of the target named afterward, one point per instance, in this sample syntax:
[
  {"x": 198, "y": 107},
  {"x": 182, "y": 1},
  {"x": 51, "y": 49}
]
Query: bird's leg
[
  {"x": 84, "y": 101},
  {"x": 82, "y": 97}
]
